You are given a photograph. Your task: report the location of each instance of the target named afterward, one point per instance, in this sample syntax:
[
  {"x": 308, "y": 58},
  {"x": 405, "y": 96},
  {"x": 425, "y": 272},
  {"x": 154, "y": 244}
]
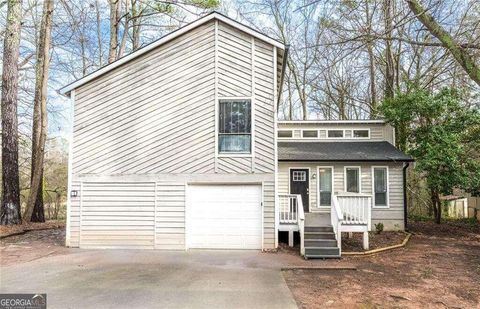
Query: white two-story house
[{"x": 177, "y": 146}]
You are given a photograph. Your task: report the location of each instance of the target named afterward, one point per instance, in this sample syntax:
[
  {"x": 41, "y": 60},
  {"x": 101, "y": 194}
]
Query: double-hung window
[
  {"x": 352, "y": 179},
  {"x": 235, "y": 124},
  {"x": 380, "y": 186}
]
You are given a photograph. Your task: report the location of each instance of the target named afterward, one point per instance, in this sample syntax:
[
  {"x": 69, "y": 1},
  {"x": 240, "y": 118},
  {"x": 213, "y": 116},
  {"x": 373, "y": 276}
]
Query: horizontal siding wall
[
  {"x": 391, "y": 217},
  {"x": 152, "y": 115},
  {"x": 269, "y": 215},
  {"x": 117, "y": 215},
  {"x": 170, "y": 216}
]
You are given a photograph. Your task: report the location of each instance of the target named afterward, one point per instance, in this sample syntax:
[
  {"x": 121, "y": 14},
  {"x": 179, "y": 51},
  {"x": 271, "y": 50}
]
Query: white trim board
[
  {"x": 331, "y": 121},
  {"x": 214, "y": 15}
]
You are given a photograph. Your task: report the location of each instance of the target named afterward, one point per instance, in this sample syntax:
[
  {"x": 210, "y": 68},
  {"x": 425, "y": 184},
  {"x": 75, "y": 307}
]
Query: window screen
[{"x": 234, "y": 130}]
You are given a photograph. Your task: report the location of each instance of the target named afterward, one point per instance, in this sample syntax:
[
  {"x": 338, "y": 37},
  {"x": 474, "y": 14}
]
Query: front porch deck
[{"x": 321, "y": 232}]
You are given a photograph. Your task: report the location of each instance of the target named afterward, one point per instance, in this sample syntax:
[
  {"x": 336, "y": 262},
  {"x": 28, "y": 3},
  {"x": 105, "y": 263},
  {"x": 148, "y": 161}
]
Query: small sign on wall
[{"x": 73, "y": 193}]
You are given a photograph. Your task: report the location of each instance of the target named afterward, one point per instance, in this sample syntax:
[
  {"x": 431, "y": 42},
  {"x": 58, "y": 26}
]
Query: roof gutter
[
  {"x": 347, "y": 160},
  {"x": 282, "y": 76}
]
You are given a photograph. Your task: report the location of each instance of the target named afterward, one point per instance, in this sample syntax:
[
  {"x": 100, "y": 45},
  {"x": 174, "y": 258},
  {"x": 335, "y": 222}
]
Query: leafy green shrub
[{"x": 379, "y": 227}]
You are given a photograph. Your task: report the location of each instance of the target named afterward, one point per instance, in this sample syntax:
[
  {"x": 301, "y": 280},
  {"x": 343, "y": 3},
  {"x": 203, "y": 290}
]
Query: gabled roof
[
  {"x": 172, "y": 35},
  {"x": 340, "y": 151}
]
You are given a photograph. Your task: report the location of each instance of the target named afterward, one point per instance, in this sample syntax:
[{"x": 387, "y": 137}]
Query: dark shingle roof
[{"x": 340, "y": 151}]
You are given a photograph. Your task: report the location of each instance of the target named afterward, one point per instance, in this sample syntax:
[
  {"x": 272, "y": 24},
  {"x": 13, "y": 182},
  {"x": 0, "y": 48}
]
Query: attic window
[
  {"x": 361, "y": 133},
  {"x": 335, "y": 134},
  {"x": 284, "y": 133},
  {"x": 310, "y": 133}
]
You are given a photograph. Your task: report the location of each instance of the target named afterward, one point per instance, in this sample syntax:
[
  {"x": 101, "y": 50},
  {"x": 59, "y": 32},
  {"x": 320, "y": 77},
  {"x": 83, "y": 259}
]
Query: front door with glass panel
[
  {"x": 299, "y": 183},
  {"x": 325, "y": 186}
]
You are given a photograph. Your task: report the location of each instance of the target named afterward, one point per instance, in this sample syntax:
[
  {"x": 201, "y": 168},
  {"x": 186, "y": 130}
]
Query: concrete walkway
[{"x": 152, "y": 279}]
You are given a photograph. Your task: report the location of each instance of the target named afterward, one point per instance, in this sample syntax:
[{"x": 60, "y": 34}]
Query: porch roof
[{"x": 340, "y": 151}]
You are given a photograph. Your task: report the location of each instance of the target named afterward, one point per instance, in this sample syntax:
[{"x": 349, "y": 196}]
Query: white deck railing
[
  {"x": 288, "y": 208},
  {"x": 336, "y": 218},
  {"x": 291, "y": 212},
  {"x": 356, "y": 208}
]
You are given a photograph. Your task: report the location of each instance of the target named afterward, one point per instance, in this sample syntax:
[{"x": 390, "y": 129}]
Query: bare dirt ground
[
  {"x": 439, "y": 268},
  {"x": 32, "y": 245},
  {"x": 384, "y": 239}
]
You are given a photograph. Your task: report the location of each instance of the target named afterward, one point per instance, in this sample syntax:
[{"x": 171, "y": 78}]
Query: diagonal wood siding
[
  {"x": 151, "y": 122},
  {"x": 153, "y": 115}
]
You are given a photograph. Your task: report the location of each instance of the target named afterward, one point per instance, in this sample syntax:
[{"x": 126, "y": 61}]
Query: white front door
[{"x": 224, "y": 216}]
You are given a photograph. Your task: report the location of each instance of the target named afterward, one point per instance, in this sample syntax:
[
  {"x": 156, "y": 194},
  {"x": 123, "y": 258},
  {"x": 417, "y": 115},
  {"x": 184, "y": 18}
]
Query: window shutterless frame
[
  {"x": 387, "y": 195},
  {"x": 359, "y": 178},
  {"x": 335, "y": 137},
  {"x": 235, "y": 136},
  {"x": 332, "y": 184}
]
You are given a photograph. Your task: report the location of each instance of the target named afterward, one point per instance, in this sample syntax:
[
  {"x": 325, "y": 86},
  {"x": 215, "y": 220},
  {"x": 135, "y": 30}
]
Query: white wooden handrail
[
  {"x": 336, "y": 217},
  {"x": 301, "y": 224},
  {"x": 355, "y": 207},
  {"x": 288, "y": 208},
  {"x": 291, "y": 212}
]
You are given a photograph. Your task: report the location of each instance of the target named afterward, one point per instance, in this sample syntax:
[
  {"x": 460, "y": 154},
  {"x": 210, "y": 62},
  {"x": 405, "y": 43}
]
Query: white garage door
[
  {"x": 224, "y": 216},
  {"x": 117, "y": 215}
]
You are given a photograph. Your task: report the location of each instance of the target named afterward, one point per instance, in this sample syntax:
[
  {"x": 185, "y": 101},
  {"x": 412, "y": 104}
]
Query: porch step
[
  {"x": 314, "y": 256},
  {"x": 321, "y": 251},
  {"x": 319, "y": 229},
  {"x": 331, "y": 243},
  {"x": 319, "y": 235},
  {"x": 320, "y": 241}
]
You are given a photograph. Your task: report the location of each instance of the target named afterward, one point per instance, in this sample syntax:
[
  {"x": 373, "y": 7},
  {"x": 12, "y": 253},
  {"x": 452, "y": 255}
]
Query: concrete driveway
[{"x": 152, "y": 279}]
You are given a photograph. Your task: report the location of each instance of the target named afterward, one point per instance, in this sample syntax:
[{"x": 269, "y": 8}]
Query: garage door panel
[
  {"x": 224, "y": 217},
  {"x": 117, "y": 215}
]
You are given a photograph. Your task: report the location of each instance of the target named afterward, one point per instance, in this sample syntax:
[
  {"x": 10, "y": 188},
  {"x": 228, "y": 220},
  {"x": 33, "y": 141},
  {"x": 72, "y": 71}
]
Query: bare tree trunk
[
  {"x": 136, "y": 21},
  {"x": 460, "y": 54},
  {"x": 10, "y": 211},
  {"x": 99, "y": 33},
  {"x": 371, "y": 68},
  {"x": 114, "y": 16},
  {"x": 389, "y": 61},
  {"x": 123, "y": 42},
  {"x": 436, "y": 206},
  {"x": 39, "y": 134}
]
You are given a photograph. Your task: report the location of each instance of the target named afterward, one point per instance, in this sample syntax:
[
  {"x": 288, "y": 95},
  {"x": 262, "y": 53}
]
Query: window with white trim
[
  {"x": 352, "y": 179},
  {"x": 234, "y": 127},
  {"x": 335, "y": 133},
  {"x": 285, "y": 133},
  {"x": 309, "y": 133},
  {"x": 361, "y": 133},
  {"x": 299, "y": 176},
  {"x": 380, "y": 186}
]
